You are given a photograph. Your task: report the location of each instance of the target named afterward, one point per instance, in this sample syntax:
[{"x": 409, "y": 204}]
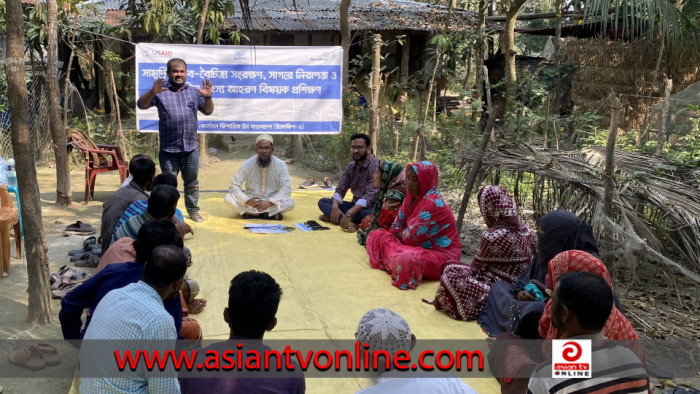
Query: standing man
[
  {"x": 177, "y": 104},
  {"x": 358, "y": 176},
  {"x": 268, "y": 186}
]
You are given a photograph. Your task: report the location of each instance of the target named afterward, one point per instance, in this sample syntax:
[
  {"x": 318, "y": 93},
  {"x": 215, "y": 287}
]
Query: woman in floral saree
[
  {"x": 390, "y": 178},
  {"x": 423, "y": 237}
]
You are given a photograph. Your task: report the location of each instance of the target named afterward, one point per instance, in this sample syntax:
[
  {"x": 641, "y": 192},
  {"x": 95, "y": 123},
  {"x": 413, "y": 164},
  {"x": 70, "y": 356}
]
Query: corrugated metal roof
[{"x": 375, "y": 15}]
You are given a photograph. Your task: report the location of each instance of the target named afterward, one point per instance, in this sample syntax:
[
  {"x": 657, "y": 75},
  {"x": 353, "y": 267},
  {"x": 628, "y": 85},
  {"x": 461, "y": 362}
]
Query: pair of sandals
[
  {"x": 35, "y": 357},
  {"x": 89, "y": 256},
  {"x": 65, "y": 280}
]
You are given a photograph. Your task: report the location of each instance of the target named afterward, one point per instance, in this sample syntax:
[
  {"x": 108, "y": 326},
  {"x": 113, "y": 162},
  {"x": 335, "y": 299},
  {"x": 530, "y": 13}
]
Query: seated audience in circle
[
  {"x": 423, "y": 236},
  {"x": 390, "y": 178},
  {"x": 512, "y": 309},
  {"x": 115, "y": 276},
  {"x": 506, "y": 248}
]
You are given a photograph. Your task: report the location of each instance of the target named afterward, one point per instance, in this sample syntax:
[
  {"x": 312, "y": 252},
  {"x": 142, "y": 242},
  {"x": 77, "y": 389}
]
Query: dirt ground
[{"x": 657, "y": 310}]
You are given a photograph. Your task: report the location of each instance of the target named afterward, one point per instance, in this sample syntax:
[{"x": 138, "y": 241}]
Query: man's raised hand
[
  {"x": 158, "y": 86},
  {"x": 206, "y": 91}
]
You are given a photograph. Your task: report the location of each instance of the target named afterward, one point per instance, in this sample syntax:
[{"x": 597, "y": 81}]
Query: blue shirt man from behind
[{"x": 177, "y": 103}]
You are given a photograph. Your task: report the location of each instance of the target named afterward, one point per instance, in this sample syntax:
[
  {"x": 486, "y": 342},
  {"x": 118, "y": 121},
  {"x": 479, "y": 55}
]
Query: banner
[{"x": 261, "y": 89}]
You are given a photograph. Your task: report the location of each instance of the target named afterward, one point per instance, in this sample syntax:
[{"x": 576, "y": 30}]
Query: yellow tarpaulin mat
[{"x": 325, "y": 276}]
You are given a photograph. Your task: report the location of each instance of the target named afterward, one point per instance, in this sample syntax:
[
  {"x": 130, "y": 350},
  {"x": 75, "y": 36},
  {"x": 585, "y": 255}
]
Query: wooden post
[
  {"x": 476, "y": 165},
  {"x": 661, "y": 139},
  {"x": 405, "y": 58},
  {"x": 375, "y": 82},
  {"x": 608, "y": 210}
]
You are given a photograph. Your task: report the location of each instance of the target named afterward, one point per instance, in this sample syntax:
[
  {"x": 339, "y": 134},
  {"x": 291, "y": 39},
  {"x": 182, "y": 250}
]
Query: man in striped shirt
[
  {"x": 177, "y": 103},
  {"x": 161, "y": 205},
  {"x": 581, "y": 304}
]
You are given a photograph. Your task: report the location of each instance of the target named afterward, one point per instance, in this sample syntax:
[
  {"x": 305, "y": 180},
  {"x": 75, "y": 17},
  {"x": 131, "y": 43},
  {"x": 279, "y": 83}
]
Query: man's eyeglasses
[{"x": 357, "y": 148}]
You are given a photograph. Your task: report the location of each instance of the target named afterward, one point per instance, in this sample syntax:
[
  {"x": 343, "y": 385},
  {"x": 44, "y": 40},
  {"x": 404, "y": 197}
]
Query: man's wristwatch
[{"x": 348, "y": 214}]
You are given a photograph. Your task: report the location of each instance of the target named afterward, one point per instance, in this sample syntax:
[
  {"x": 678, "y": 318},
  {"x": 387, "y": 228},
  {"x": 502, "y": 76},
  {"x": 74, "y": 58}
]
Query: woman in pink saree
[{"x": 423, "y": 237}]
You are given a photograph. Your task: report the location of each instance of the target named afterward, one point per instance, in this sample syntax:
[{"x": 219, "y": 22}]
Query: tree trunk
[
  {"x": 67, "y": 82},
  {"x": 509, "y": 51},
  {"x": 117, "y": 114},
  {"x": 39, "y": 305},
  {"x": 476, "y": 166},
  {"x": 374, "y": 99},
  {"x": 479, "y": 57},
  {"x": 202, "y": 138},
  {"x": 661, "y": 139},
  {"x": 615, "y": 106},
  {"x": 345, "y": 39},
  {"x": 58, "y": 133}
]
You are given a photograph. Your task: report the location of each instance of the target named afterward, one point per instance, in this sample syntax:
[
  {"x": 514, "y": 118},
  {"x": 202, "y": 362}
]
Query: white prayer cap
[
  {"x": 266, "y": 137},
  {"x": 384, "y": 329}
]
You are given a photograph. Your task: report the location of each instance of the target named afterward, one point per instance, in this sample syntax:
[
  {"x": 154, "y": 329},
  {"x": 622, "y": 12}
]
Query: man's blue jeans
[
  {"x": 326, "y": 206},
  {"x": 188, "y": 163}
]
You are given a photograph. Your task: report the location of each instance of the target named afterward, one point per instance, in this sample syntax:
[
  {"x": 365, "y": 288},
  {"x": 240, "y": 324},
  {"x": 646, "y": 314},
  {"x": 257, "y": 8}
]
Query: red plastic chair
[{"x": 96, "y": 161}]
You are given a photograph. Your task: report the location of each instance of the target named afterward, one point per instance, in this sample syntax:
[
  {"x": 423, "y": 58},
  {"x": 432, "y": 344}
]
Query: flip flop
[
  {"x": 28, "y": 358},
  {"x": 79, "y": 228},
  {"x": 87, "y": 245},
  {"x": 63, "y": 290},
  {"x": 48, "y": 353},
  {"x": 91, "y": 261},
  {"x": 80, "y": 256}
]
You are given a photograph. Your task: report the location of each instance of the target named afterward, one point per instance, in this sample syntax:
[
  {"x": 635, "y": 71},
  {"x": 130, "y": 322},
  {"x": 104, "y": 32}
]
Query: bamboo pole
[
  {"x": 608, "y": 209},
  {"x": 375, "y": 82}
]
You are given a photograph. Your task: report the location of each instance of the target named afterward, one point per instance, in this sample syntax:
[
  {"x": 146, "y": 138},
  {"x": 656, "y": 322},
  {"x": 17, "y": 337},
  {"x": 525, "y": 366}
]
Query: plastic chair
[
  {"x": 13, "y": 189},
  {"x": 8, "y": 216},
  {"x": 96, "y": 161}
]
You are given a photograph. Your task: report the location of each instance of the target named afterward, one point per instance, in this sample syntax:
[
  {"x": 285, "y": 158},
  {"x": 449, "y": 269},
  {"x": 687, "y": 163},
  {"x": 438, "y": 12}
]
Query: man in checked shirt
[{"x": 177, "y": 103}]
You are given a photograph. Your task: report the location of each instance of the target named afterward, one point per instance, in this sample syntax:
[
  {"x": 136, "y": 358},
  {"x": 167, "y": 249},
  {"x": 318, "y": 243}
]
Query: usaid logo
[
  {"x": 155, "y": 53},
  {"x": 571, "y": 358},
  {"x": 238, "y": 55}
]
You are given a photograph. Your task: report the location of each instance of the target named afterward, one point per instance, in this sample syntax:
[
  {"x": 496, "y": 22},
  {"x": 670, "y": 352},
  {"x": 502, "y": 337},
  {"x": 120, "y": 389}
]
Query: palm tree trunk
[
  {"x": 58, "y": 133},
  {"x": 39, "y": 305}
]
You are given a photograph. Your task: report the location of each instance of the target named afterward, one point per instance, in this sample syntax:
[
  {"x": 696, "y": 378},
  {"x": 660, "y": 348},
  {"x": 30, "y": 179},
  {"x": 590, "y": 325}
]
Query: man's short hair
[
  {"x": 588, "y": 296},
  {"x": 165, "y": 265},
  {"x": 154, "y": 234},
  {"x": 165, "y": 178},
  {"x": 364, "y": 136},
  {"x": 174, "y": 61},
  {"x": 384, "y": 329},
  {"x": 253, "y": 299},
  {"x": 142, "y": 169},
  {"x": 162, "y": 201}
]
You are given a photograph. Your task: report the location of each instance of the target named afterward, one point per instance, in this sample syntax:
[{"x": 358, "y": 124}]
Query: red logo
[{"x": 571, "y": 351}]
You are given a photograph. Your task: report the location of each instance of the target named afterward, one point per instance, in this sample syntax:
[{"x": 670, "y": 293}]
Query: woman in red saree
[
  {"x": 617, "y": 327},
  {"x": 505, "y": 250},
  {"x": 423, "y": 237}
]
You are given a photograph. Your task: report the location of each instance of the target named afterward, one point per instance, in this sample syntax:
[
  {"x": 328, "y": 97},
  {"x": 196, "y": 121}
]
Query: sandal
[
  {"x": 48, "y": 353},
  {"x": 80, "y": 256},
  {"x": 63, "y": 290},
  {"x": 28, "y": 358},
  {"x": 90, "y": 261},
  {"x": 87, "y": 245}
]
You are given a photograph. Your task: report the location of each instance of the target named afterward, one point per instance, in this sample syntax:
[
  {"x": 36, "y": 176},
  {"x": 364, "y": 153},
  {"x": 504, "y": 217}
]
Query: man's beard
[
  {"x": 361, "y": 158},
  {"x": 264, "y": 162}
]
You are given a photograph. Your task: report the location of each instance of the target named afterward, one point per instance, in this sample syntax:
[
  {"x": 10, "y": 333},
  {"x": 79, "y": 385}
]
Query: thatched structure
[
  {"x": 628, "y": 69},
  {"x": 657, "y": 204}
]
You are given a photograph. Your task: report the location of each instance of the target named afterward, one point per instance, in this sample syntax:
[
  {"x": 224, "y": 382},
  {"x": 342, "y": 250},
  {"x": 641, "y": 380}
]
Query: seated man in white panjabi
[{"x": 268, "y": 186}]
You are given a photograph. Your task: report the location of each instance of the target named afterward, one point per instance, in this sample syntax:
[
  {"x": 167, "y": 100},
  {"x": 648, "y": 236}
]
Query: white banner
[{"x": 274, "y": 90}]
